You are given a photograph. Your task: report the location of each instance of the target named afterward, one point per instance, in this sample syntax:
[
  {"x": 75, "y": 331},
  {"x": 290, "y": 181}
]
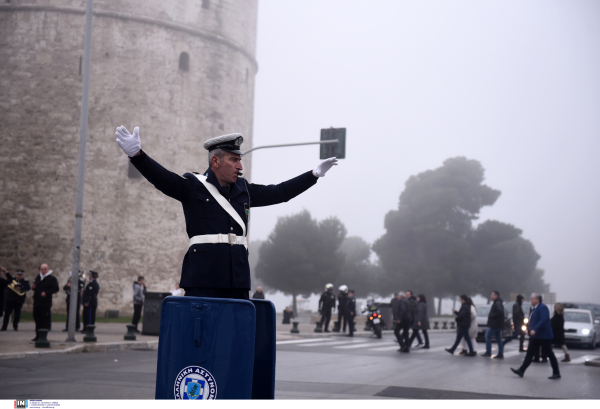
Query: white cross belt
[{"x": 219, "y": 238}]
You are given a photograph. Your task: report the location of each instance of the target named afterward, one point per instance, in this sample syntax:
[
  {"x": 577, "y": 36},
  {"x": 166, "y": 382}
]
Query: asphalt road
[{"x": 327, "y": 368}]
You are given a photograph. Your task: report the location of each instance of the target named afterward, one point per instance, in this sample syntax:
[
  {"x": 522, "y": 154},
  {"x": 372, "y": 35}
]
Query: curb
[
  {"x": 89, "y": 347},
  {"x": 356, "y": 333}
]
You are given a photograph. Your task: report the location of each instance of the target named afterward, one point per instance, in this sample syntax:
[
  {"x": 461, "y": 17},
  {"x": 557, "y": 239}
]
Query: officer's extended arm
[{"x": 169, "y": 183}]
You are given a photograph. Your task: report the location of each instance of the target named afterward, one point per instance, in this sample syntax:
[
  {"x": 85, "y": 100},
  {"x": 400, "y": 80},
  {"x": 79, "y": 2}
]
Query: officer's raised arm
[
  {"x": 171, "y": 184},
  {"x": 262, "y": 195}
]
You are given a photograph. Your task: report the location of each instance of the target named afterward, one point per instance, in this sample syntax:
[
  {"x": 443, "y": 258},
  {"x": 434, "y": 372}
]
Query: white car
[{"x": 582, "y": 328}]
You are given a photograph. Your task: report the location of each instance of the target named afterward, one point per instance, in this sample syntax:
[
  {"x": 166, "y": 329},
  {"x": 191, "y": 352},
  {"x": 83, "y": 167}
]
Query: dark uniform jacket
[
  {"x": 67, "y": 289},
  {"x": 48, "y": 285},
  {"x": 463, "y": 316},
  {"x": 12, "y": 296},
  {"x": 351, "y": 306},
  {"x": 217, "y": 265},
  {"x": 496, "y": 316},
  {"x": 401, "y": 312},
  {"x": 327, "y": 301},
  {"x": 90, "y": 294},
  {"x": 342, "y": 300}
]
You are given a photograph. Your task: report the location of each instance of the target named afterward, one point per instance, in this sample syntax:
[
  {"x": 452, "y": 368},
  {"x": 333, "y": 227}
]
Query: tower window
[{"x": 184, "y": 62}]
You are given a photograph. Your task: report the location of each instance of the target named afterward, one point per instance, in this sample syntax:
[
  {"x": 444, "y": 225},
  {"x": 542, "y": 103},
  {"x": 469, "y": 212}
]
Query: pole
[
  {"x": 331, "y": 141},
  {"x": 83, "y": 125}
]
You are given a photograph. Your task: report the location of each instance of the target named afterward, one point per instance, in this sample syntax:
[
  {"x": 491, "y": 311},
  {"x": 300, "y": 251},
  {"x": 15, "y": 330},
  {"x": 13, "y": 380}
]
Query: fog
[{"x": 512, "y": 84}]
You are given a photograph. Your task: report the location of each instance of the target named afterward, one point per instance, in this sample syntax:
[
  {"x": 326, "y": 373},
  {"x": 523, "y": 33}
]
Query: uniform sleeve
[
  {"x": 169, "y": 183},
  {"x": 261, "y": 195},
  {"x": 25, "y": 286}
]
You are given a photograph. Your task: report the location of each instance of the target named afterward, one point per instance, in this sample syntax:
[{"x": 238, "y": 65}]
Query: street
[{"x": 317, "y": 368}]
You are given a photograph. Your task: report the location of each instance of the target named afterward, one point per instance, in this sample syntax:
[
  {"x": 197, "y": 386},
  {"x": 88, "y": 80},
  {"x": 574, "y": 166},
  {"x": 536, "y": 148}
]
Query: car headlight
[
  {"x": 526, "y": 320},
  {"x": 523, "y": 328},
  {"x": 585, "y": 331}
]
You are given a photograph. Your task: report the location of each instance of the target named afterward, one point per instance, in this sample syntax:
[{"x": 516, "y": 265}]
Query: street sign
[{"x": 338, "y": 149}]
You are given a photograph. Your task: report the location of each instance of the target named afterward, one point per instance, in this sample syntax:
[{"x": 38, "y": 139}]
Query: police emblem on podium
[{"x": 195, "y": 383}]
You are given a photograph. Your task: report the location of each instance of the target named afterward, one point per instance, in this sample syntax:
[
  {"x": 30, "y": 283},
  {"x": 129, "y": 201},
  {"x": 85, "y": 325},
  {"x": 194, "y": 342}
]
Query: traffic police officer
[
  {"x": 15, "y": 298},
  {"x": 350, "y": 312},
  {"x": 326, "y": 303},
  {"x": 342, "y": 300},
  {"x": 216, "y": 205},
  {"x": 90, "y": 301},
  {"x": 67, "y": 289}
]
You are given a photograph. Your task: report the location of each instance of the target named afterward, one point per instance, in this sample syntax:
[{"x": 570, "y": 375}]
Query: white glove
[
  {"x": 324, "y": 166},
  {"x": 130, "y": 144}
]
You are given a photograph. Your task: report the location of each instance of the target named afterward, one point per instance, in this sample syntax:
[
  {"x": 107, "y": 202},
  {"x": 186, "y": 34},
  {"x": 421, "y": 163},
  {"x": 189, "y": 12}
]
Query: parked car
[
  {"x": 582, "y": 327},
  {"x": 483, "y": 310}
]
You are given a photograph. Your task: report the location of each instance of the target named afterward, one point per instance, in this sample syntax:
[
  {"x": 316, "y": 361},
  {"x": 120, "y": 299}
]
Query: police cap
[
  {"x": 94, "y": 274},
  {"x": 230, "y": 143},
  {"x": 19, "y": 271}
]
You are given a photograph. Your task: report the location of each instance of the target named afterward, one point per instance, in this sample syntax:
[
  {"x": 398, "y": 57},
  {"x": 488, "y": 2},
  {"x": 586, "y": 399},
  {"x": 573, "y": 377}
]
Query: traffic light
[{"x": 334, "y": 149}]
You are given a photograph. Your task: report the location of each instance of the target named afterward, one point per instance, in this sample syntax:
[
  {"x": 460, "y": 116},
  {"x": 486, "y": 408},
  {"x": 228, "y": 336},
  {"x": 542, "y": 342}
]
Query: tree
[
  {"x": 301, "y": 255},
  {"x": 359, "y": 273},
  {"x": 425, "y": 245},
  {"x": 505, "y": 261}
]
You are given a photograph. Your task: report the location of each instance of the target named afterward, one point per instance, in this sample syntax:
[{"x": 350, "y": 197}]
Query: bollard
[
  {"x": 445, "y": 325},
  {"x": 336, "y": 327},
  {"x": 319, "y": 327},
  {"x": 89, "y": 336},
  {"x": 295, "y": 329},
  {"x": 42, "y": 341},
  {"x": 435, "y": 325},
  {"x": 130, "y": 336},
  {"x": 452, "y": 325}
]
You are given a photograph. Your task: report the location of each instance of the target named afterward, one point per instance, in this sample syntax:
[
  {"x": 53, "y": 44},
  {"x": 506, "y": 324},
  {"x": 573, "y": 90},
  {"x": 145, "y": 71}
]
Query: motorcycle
[{"x": 374, "y": 322}]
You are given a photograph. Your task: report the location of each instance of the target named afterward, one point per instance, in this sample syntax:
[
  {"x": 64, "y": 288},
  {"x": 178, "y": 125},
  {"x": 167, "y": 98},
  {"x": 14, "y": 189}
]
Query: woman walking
[
  {"x": 558, "y": 329},
  {"x": 472, "y": 329},
  {"x": 463, "y": 321},
  {"x": 421, "y": 321}
]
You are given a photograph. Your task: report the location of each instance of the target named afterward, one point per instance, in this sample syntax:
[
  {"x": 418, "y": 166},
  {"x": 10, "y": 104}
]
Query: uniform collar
[{"x": 234, "y": 189}]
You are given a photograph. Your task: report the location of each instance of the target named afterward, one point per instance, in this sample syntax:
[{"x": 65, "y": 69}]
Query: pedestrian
[
  {"x": 326, "y": 304},
  {"x": 216, "y": 205},
  {"x": 472, "y": 329},
  {"x": 350, "y": 312},
  {"x": 558, "y": 329},
  {"x": 495, "y": 324},
  {"x": 421, "y": 321},
  {"x": 15, "y": 298},
  {"x": 67, "y": 289},
  {"x": 177, "y": 292},
  {"x": 412, "y": 301},
  {"x": 518, "y": 318},
  {"x": 287, "y": 315},
  {"x": 342, "y": 300},
  {"x": 540, "y": 335},
  {"x": 463, "y": 322},
  {"x": 139, "y": 294},
  {"x": 90, "y": 301},
  {"x": 401, "y": 316},
  {"x": 44, "y": 287},
  {"x": 258, "y": 294}
]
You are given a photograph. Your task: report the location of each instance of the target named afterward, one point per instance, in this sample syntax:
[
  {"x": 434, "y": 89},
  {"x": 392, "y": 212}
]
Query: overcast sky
[{"x": 513, "y": 84}]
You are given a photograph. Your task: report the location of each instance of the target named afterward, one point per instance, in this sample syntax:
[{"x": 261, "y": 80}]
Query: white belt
[{"x": 219, "y": 238}]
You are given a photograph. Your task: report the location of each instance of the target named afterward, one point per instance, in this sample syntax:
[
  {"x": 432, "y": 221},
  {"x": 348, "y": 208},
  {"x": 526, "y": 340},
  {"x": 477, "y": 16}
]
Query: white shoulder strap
[{"x": 222, "y": 201}]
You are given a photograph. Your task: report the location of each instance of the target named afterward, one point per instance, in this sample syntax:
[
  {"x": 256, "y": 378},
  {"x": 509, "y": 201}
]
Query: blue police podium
[{"x": 214, "y": 348}]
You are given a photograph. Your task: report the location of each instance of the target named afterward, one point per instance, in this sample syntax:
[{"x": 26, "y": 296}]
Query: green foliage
[
  {"x": 301, "y": 254},
  {"x": 430, "y": 244}
]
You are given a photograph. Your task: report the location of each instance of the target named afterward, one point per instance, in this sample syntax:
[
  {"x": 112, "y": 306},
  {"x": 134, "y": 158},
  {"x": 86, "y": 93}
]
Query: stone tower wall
[{"x": 129, "y": 228}]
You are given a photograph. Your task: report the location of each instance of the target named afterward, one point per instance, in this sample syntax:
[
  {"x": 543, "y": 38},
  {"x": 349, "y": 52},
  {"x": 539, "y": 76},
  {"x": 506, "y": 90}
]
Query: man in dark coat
[
  {"x": 412, "y": 300},
  {"x": 216, "y": 206},
  {"x": 3, "y": 285},
  {"x": 67, "y": 290},
  {"x": 518, "y": 318},
  {"x": 495, "y": 325},
  {"x": 258, "y": 294},
  {"x": 342, "y": 300},
  {"x": 540, "y": 336},
  {"x": 44, "y": 287},
  {"x": 350, "y": 312},
  {"x": 326, "y": 303},
  {"x": 90, "y": 301},
  {"x": 401, "y": 317},
  {"x": 15, "y": 298}
]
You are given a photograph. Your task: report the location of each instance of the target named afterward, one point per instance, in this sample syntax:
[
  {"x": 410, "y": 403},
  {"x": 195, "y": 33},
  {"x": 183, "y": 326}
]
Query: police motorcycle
[{"x": 374, "y": 322}]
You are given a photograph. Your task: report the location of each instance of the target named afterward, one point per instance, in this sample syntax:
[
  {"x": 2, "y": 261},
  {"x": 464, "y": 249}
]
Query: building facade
[{"x": 181, "y": 70}]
